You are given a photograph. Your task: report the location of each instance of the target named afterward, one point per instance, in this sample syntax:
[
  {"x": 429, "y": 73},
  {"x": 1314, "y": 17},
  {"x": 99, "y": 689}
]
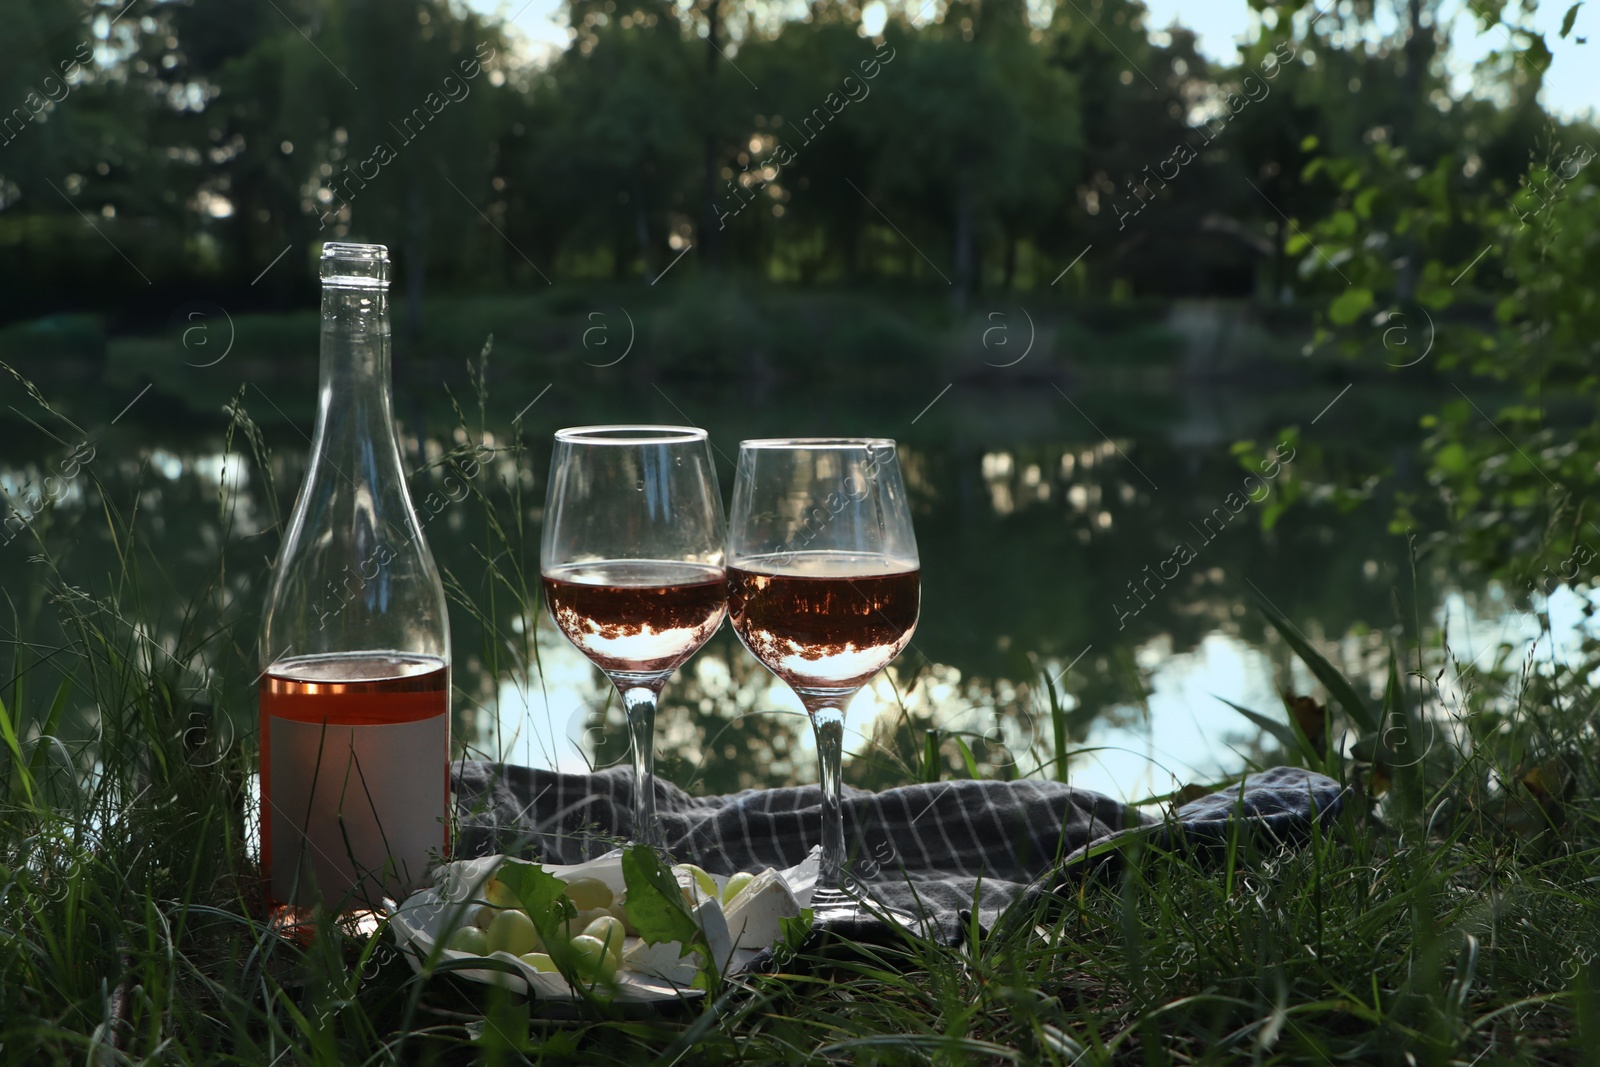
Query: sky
[{"x": 1572, "y": 87}]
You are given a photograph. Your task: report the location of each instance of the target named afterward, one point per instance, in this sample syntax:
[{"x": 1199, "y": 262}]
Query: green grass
[{"x": 1450, "y": 915}]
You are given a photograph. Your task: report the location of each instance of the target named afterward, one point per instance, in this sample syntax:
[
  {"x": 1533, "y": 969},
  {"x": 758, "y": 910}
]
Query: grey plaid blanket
[{"x": 929, "y": 850}]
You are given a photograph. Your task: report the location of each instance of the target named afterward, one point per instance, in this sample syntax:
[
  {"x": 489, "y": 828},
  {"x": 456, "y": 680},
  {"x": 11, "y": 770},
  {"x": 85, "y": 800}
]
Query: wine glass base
[{"x": 845, "y": 907}]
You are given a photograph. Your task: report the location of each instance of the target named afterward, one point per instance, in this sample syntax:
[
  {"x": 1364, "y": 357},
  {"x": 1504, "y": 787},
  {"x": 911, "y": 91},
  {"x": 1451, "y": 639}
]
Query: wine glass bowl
[
  {"x": 636, "y": 619},
  {"x": 632, "y": 565},
  {"x": 824, "y": 584},
  {"x": 824, "y": 622}
]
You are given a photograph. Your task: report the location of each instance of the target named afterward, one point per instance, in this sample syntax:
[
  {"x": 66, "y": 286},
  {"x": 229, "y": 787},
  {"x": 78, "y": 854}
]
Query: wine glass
[
  {"x": 631, "y": 559},
  {"x": 823, "y": 587}
]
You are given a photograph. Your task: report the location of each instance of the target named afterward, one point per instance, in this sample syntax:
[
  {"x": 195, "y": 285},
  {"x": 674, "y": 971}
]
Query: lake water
[{"x": 1049, "y": 515}]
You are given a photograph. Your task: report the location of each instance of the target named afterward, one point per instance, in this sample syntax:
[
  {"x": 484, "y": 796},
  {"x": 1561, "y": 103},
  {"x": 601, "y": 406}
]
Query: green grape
[
  {"x": 592, "y": 960},
  {"x": 580, "y": 922},
  {"x": 707, "y": 884},
  {"x": 587, "y": 894},
  {"x": 512, "y": 931},
  {"x": 608, "y": 931},
  {"x": 471, "y": 940},
  {"x": 736, "y": 885}
]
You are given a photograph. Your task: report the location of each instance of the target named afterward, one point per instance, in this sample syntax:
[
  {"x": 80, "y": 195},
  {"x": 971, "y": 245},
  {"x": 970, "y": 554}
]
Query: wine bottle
[{"x": 355, "y": 643}]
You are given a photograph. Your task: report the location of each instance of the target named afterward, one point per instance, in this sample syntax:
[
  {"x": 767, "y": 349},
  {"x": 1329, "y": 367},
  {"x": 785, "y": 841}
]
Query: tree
[{"x": 615, "y": 133}]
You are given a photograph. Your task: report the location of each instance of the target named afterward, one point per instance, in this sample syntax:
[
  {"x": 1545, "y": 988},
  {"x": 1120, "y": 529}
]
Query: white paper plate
[{"x": 431, "y": 915}]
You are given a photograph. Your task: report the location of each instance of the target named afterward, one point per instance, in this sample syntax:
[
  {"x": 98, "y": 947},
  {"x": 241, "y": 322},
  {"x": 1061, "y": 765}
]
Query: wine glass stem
[
  {"x": 640, "y": 703},
  {"x": 828, "y": 722}
]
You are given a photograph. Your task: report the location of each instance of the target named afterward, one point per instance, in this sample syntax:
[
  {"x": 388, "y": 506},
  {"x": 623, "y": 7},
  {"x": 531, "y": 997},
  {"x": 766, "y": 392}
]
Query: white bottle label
[{"x": 363, "y": 821}]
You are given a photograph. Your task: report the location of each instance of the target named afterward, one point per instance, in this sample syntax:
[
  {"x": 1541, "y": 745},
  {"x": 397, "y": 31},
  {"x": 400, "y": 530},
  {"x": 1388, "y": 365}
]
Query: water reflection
[
  {"x": 1181, "y": 732},
  {"x": 1029, "y": 532},
  {"x": 564, "y": 716}
]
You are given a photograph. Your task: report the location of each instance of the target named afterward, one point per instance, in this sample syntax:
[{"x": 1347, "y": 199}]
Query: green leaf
[
  {"x": 1435, "y": 294},
  {"x": 1282, "y": 731},
  {"x": 1569, "y": 18},
  {"x": 1342, "y": 223},
  {"x": 19, "y": 767},
  {"x": 1058, "y": 726},
  {"x": 930, "y": 756},
  {"x": 966, "y": 757},
  {"x": 796, "y": 929},
  {"x": 655, "y": 903},
  {"x": 1337, "y": 685},
  {"x": 1400, "y": 722},
  {"x": 1452, "y": 458},
  {"x": 542, "y": 895},
  {"x": 52, "y": 722},
  {"x": 1349, "y": 306}
]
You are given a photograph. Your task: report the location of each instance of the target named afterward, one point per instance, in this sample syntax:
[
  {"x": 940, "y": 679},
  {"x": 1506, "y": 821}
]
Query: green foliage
[
  {"x": 983, "y": 149},
  {"x": 1351, "y": 303},
  {"x": 655, "y": 903},
  {"x": 1481, "y": 288}
]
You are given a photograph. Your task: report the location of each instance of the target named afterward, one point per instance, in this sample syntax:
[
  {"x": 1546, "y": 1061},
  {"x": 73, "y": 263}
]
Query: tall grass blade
[
  {"x": 1338, "y": 687},
  {"x": 1058, "y": 727},
  {"x": 52, "y": 723},
  {"x": 1282, "y": 731},
  {"x": 20, "y": 775},
  {"x": 930, "y": 756}
]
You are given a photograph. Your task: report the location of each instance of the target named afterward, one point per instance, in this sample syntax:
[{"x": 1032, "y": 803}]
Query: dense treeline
[{"x": 177, "y": 148}]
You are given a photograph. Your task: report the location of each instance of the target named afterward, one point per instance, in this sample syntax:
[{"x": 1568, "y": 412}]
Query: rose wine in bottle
[{"x": 355, "y": 645}]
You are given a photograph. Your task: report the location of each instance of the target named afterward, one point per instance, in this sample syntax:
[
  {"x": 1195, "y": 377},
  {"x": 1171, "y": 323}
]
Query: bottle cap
[{"x": 353, "y": 266}]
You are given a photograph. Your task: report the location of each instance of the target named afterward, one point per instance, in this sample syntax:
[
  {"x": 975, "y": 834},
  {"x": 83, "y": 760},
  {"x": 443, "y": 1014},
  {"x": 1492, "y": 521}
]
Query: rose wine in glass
[
  {"x": 823, "y": 588},
  {"x": 355, "y": 645},
  {"x": 634, "y": 616},
  {"x": 632, "y": 561}
]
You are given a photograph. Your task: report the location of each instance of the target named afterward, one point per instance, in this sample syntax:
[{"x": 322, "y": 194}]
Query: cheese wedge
[{"x": 754, "y": 915}]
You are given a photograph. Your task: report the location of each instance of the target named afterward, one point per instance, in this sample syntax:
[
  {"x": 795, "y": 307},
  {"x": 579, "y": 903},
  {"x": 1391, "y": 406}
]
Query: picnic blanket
[{"x": 928, "y": 850}]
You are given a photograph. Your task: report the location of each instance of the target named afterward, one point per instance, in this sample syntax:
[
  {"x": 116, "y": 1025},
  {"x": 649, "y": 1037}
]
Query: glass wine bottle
[{"x": 355, "y": 644}]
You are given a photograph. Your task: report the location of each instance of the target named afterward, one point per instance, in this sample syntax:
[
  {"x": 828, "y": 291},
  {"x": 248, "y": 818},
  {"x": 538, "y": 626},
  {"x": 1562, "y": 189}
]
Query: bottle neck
[
  {"x": 355, "y": 346},
  {"x": 355, "y": 444}
]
